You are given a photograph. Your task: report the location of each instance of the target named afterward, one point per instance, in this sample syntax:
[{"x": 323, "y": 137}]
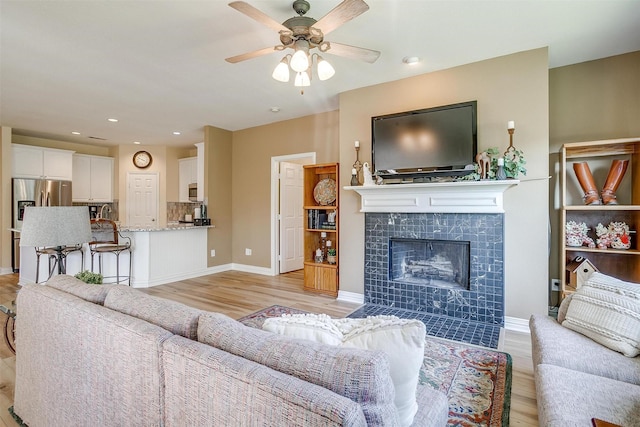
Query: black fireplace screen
[{"x": 440, "y": 263}]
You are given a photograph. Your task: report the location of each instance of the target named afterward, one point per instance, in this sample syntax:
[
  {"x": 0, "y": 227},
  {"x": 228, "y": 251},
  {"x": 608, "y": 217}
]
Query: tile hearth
[{"x": 467, "y": 331}]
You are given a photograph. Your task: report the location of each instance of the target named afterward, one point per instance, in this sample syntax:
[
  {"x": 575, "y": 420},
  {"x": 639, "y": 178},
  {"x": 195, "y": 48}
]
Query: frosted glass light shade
[
  {"x": 281, "y": 72},
  {"x": 325, "y": 70},
  {"x": 300, "y": 61},
  {"x": 55, "y": 226},
  {"x": 302, "y": 80}
]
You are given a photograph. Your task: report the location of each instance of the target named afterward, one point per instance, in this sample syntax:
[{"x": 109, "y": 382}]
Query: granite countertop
[{"x": 168, "y": 227}]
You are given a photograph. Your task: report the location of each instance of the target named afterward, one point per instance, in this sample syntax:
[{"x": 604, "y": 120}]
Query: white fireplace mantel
[{"x": 437, "y": 197}]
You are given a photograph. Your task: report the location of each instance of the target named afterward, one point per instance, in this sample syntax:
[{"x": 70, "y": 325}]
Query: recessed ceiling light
[
  {"x": 112, "y": 120},
  {"x": 75, "y": 133},
  {"x": 410, "y": 60},
  {"x": 275, "y": 109},
  {"x": 176, "y": 133},
  {"x": 136, "y": 142}
]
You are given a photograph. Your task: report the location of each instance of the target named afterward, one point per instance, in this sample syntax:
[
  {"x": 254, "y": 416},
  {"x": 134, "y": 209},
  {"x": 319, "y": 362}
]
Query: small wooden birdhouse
[{"x": 580, "y": 269}]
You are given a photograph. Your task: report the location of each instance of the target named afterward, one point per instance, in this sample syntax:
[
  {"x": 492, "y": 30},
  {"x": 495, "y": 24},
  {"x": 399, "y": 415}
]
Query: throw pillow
[
  {"x": 564, "y": 306},
  {"x": 402, "y": 340},
  {"x": 607, "y": 310}
]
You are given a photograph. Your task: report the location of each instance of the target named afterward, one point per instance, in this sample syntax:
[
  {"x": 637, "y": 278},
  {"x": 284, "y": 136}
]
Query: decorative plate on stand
[{"x": 325, "y": 192}]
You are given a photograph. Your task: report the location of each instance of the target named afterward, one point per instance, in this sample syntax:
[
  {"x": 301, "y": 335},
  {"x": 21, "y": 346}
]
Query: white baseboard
[
  {"x": 176, "y": 278},
  {"x": 252, "y": 269},
  {"x": 4, "y": 271},
  {"x": 516, "y": 324},
  {"x": 350, "y": 297}
]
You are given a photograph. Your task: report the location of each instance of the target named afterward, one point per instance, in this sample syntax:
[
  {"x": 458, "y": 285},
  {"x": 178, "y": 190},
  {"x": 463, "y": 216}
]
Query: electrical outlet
[
  {"x": 213, "y": 252},
  {"x": 555, "y": 284},
  {"x": 247, "y": 251}
]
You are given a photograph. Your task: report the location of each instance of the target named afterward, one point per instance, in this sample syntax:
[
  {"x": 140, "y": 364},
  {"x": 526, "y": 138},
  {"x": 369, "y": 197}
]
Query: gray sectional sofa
[
  {"x": 578, "y": 379},
  {"x": 110, "y": 355}
]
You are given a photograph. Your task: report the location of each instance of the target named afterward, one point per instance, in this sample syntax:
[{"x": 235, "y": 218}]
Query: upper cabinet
[
  {"x": 200, "y": 170},
  {"x": 38, "y": 162},
  {"x": 188, "y": 171},
  {"x": 191, "y": 171},
  {"x": 92, "y": 179}
]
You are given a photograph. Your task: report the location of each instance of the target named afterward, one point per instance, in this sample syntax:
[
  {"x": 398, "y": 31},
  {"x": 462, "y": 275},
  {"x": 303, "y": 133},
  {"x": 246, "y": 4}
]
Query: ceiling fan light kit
[
  {"x": 325, "y": 70},
  {"x": 302, "y": 79},
  {"x": 281, "y": 72},
  {"x": 300, "y": 61},
  {"x": 302, "y": 34}
]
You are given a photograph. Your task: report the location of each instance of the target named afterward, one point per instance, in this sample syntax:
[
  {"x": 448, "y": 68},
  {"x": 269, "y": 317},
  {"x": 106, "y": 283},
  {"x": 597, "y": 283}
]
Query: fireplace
[
  {"x": 400, "y": 220},
  {"x": 429, "y": 262},
  {"x": 481, "y": 299}
]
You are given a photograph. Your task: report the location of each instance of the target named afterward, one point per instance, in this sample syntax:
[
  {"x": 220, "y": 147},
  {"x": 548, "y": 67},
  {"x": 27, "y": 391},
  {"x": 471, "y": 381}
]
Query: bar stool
[
  {"x": 52, "y": 256},
  {"x": 106, "y": 240}
]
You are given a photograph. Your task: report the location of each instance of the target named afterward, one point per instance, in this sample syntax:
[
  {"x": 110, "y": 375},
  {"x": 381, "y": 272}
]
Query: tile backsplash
[{"x": 177, "y": 210}]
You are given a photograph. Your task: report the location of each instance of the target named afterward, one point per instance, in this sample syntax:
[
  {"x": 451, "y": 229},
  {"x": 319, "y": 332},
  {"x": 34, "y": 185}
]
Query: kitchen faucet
[{"x": 102, "y": 210}]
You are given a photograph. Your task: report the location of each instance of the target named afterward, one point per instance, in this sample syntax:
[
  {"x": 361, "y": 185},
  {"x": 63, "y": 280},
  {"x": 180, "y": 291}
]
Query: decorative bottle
[
  {"x": 500, "y": 173},
  {"x": 323, "y": 244},
  {"x": 354, "y": 177}
]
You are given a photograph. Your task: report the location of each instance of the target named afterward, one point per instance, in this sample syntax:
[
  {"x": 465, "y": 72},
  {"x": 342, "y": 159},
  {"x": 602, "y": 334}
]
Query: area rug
[{"x": 477, "y": 381}]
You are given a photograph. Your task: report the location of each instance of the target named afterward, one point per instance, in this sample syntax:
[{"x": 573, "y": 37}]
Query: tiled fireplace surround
[
  {"x": 461, "y": 211},
  {"x": 483, "y": 302}
]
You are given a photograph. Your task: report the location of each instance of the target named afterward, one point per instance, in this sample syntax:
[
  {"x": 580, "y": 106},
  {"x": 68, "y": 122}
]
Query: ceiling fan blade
[
  {"x": 344, "y": 12},
  {"x": 257, "y": 15},
  {"x": 352, "y": 52},
  {"x": 250, "y": 55}
]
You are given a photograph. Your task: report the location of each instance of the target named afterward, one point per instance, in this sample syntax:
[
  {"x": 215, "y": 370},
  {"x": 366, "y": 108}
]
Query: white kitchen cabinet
[
  {"x": 39, "y": 162},
  {"x": 92, "y": 179},
  {"x": 200, "y": 170},
  {"x": 188, "y": 174}
]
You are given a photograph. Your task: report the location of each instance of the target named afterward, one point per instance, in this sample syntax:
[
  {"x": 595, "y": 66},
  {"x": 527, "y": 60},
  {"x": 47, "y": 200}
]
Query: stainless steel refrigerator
[{"x": 34, "y": 192}]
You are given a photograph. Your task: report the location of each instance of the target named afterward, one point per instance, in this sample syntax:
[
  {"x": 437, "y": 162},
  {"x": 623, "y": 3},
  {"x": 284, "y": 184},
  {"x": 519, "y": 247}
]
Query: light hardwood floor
[{"x": 237, "y": 294}]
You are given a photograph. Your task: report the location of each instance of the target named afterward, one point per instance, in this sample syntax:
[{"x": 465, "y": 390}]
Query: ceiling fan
[{"x": 302, "y": 33}]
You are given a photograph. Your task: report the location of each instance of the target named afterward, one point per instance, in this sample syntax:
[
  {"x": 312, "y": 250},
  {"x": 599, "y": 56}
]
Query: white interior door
[
  {"x": 142, "y": 199},
  {"x": 291, "y": 217}
]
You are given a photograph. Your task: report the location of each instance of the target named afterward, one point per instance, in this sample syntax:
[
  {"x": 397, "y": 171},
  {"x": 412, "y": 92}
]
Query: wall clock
[{"x": 142, "y": 159}]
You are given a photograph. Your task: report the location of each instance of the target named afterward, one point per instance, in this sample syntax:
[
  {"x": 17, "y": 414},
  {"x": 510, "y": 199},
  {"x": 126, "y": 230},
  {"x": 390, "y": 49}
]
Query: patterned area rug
[{"x": 477, "y": 381}]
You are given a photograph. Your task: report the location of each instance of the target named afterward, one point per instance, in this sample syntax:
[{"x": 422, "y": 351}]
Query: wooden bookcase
[
  {"x": 320, "y": 277},
  {"x": 621, "y": 263}
]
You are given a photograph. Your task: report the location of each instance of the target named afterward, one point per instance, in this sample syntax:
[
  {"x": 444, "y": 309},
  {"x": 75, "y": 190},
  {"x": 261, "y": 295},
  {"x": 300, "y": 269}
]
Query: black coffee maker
[{"x": 203, "y": 220}]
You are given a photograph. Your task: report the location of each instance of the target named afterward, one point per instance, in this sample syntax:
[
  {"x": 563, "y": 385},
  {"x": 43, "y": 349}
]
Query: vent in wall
[{"x": 97, "y": 137}]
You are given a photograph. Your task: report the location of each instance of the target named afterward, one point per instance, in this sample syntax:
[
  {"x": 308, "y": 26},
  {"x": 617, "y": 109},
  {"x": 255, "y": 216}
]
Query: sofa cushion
[
  {"x": 170, "y": 315},
  {"x": 554, "y": 344},
  {"x": 570, "y": 398},
  {"x": 607, "y": 310},
  {"x": 402, "y": 340},
  {"x": 361, "y": 375},
  {"x": 243, "y": 393},
  {"x": 71, "y": 285}
]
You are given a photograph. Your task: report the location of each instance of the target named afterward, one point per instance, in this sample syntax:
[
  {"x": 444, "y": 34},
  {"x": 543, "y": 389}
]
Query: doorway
[
  {"x": 142, "y": 199},
  {"x": 286, "y": 220}
]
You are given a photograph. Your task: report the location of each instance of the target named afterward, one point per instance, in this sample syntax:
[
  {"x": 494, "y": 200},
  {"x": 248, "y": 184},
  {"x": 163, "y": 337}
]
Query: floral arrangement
[
  {"x": 615, "y": 235},
  {"x": 577, "y": 234},
  {"x": 331, "y": 255},
  {"x": 514, "y": 164},
  {"x": 89, "y": 277}
]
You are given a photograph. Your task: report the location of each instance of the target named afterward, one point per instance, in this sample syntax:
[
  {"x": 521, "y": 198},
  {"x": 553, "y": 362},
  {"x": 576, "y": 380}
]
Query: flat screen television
[{"x": 433, "y": 141}]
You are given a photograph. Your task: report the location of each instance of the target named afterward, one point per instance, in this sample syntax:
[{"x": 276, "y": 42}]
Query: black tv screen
[{"x": 440, "y": 140}]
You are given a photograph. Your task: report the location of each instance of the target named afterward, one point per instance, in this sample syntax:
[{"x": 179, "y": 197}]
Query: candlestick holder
[
  {"x": 511, "y": 148},
  {"x": 357, "y": 166}
]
